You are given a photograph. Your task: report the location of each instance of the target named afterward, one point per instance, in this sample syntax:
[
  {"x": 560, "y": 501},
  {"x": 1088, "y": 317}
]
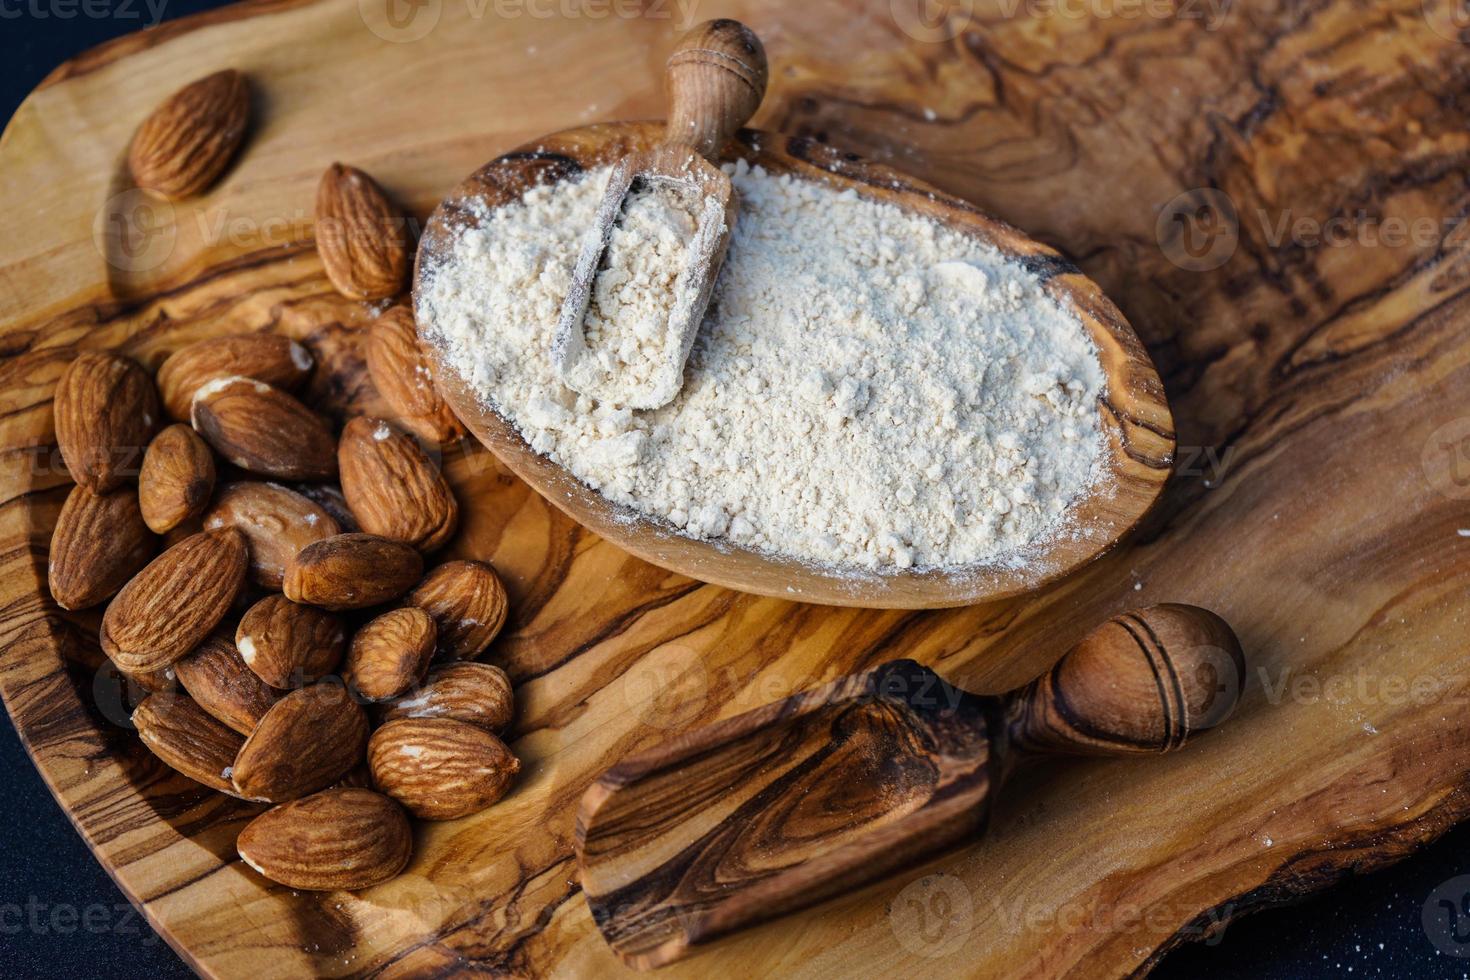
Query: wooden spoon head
[
  {"x": 782, "y": 807},
  {"x": 713, "y": 195},
  {"x": 1132, "y": 411}
]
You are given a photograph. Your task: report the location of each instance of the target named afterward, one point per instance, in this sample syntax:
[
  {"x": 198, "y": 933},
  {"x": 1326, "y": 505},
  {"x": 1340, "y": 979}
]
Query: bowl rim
[{"x": 1133, "y": 413}]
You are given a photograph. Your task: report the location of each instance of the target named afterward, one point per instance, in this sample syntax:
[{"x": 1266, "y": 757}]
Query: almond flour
[{"x": 870, "y": 390}]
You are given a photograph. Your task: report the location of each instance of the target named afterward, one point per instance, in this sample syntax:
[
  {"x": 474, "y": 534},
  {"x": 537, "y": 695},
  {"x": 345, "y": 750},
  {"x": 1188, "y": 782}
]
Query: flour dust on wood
[{"x": 870, "y": 390}]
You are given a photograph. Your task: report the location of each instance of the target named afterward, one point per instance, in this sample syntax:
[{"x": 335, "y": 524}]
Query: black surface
[{"x": 61, "y": 915}]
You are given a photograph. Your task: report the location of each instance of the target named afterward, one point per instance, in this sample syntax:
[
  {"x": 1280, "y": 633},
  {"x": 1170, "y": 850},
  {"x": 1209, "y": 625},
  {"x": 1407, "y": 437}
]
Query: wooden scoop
[
  {"x": 811, "y": 797},
  {"x": 716, "y": 80}
]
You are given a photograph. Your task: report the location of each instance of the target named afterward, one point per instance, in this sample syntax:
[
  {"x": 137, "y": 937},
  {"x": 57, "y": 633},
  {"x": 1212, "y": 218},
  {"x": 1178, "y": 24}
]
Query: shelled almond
[
  {"x": 189, "y": 140},
  {"x": 405, "y": 379},
  {"x": 271, "y": 708}
]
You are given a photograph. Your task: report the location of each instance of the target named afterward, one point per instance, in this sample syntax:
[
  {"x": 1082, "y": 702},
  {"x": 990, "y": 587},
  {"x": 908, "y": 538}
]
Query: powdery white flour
[{"x": 870, "y": 389}]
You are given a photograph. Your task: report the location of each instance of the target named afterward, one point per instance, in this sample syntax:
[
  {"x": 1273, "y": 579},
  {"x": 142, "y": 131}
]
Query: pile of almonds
[{"x": 296, "y": 651}]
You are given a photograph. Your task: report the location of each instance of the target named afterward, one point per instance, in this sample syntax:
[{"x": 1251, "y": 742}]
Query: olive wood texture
[
  {"x": 716, "y": 79},
  {"x": 1138, "y": 439},
  {"x": 828, "y": 790},
  {"x": 1319, "y": 391}
]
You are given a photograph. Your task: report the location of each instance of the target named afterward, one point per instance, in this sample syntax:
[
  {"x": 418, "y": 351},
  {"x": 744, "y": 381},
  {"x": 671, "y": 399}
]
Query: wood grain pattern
[
  {"x": 1318, "y": 391},
  {"x": 821, "y": 793}
]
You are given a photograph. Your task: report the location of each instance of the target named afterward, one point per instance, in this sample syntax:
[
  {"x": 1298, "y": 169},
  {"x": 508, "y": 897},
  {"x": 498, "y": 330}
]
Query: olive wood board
[{"x": 1318, "y": 384}]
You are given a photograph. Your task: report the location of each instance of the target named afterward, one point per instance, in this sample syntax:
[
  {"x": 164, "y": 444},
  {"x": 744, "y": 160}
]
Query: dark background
[{"x": 61, "y": 915}]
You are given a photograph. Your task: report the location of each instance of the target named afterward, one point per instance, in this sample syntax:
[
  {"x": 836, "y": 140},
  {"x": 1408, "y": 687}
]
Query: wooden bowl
[{"x": 1133, "y": 413}]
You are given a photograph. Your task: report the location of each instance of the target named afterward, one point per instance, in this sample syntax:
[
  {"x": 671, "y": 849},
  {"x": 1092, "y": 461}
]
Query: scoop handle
[
  {"x": 716, "y": 78},
  {"x": 1143, "y": 682}
]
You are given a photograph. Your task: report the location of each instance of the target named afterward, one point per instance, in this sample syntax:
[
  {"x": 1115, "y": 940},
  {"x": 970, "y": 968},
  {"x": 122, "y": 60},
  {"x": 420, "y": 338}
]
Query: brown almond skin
[
  {"x": 287, "y": 645},
  {"x": 474, "y": 693},
  {"x": 262, "y": 429},
  {"x": 183, "y": 147},
  {"x": 390, "y": 654},
  {"x": 336, "y": 839},
  {"x": 276, "y": 522},
  {"x": 306, "y": 742},
  {"x": 352, "y": 571},
  {"x": 329, "y": 498},
  {"x": 106, "y": 412},
  {"x": 217, "y": 679},
  {"x": 405, "y": 378},
  {"x": 278, "y": 361},
  {"x": 175, "y": 602},
  {"x": 176, "y": 480},
  {"x": 99, "y": 543},
  {"x": 439, "y": 768},
  {"x": 361, "y": 237},
  {"x": 187, "y": 739},
  {"x": 468, "y": 603},
  {"x": 393, "y": 488}
]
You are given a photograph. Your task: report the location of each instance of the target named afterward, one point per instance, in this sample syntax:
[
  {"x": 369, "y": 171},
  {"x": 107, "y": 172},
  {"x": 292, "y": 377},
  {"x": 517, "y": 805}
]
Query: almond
[
  {"x": 262, "y": 429},
  {"x": 217, "y": 679},
  {"x": 361, "y": 237},
  {"x": 189, "y": 140},
  {"x": 468, "y": 603},
  {"x": 99, "y": 543},
  {"x": 335, "y": 839},
  {"x": 276, "y": 522},
  {"x": 302, "y": 744},
  {"x": 176, "y": 479},
  {"x": 440, "y": 768},
  {"x": 106, "y": 410},
  {"x": 276, "y": 360},
  {"x": 393, "y": 488},
  {"x": 287, "y": 645},
  {"x": 187, "y": 739},
  {"x": 352, "y": 571},
  {"x": 405, "y": 379},
  {"x": 477, "y": 694},
  {"x": 173, "y": 604},
  {"x": 329, "y": 498},
  {"x": 153, "y": 681},
  {"x": 390, "y": 654}
]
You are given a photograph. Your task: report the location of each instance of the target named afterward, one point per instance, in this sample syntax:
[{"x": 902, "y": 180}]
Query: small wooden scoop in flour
[{"x": 716, "y": 80}]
